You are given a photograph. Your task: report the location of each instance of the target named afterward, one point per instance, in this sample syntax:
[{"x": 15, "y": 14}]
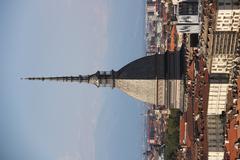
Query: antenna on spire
[
  {"x": 63, "y": 78},
  {"x": 98, "y": 79}
]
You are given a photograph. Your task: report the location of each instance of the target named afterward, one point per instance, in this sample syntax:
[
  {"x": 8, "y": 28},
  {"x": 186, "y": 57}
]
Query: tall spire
[
  {"x": 100, "y": 78},
  {"x": 63, "y": 78}
]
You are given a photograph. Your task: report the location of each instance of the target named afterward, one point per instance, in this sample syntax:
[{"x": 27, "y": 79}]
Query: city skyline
[
  {"x": 57, "y": 121},
  {"x": 175, "y": 66}
]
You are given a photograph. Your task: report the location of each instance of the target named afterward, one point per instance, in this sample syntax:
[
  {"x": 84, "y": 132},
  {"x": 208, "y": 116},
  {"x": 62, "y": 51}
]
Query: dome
[{"x": 145, "y": 78}]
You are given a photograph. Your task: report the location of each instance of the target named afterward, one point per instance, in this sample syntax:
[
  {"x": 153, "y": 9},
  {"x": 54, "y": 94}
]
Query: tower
[
  {"x": 145, "y": 79},
  {"x": 99, "y": 79}
]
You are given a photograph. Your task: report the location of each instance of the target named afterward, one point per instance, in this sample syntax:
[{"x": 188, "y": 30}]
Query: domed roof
[
  {"x": 162, "y": 66},
  {"x": 144, "y": 78}
]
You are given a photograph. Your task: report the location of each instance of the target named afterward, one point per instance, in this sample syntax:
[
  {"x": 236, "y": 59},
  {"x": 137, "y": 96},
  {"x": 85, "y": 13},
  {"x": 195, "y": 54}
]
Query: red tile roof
[
  {"x": 173, "y": 38},
  {"x": 232, "y": 137},
  {"x": 195, "y": 92},
  {"x": 182, "y": 130},
  {"x": 233, "y": 131}
]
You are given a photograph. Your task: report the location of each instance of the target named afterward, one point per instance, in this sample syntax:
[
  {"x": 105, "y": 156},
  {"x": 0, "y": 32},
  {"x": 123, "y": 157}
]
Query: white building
[
  {"x": 188, "y": 28},
  {"x": 218, "y": 89},
  {"x": 228, "y": 15},
  {"x": 222, "y": 49},
  {"x": 187, "y": 14},
  {"x": 216, "y": 105},
  {"x": 219, "y": 83},
  {"x": 221, "y": 63},
  {"x": 215, "y": 155},
  {"x": 217, "y": 98}
]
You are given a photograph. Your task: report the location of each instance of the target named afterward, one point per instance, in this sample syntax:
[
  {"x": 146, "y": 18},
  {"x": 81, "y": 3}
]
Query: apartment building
[{"x": 228, "y": 15}]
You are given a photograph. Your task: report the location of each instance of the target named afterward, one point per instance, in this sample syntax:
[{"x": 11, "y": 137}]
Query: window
[
  {"x": 188, "y": 8},
  {"x": 220, "y": 3},
  {"x": 226, "y": 24},
  {"x": 228, "y": 17},
  {"x": 236, "y": 3}
]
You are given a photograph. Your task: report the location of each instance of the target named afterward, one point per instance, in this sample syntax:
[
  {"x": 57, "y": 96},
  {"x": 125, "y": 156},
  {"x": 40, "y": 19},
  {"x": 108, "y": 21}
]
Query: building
[
  {"x": 221, "y": 56},
  {"x": 218, "y": 41},
  {"x": 221, "y": 62},
  {"x": 215, "y": 138},
  {"x": 153, "y": 26},
  {"x": 228, "y": 41},
  {"x": 228, "y": 15},
  {"x": 187, "y": 15},
  {"x": 221, "y": 65},
  {"x": 147, "y": 79},
  {"x": 219, "y": 83},
  {"x": 208, "y": 18},
  {"x": 217, "y": 98}
]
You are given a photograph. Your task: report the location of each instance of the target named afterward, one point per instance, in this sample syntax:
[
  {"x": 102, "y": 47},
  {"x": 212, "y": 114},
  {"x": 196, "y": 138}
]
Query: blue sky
[{"x": 68, "y": 121}]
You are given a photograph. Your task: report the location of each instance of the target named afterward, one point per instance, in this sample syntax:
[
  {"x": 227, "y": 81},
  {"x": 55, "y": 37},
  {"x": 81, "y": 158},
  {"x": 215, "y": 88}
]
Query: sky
[{"x": 68, "y": 121}]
